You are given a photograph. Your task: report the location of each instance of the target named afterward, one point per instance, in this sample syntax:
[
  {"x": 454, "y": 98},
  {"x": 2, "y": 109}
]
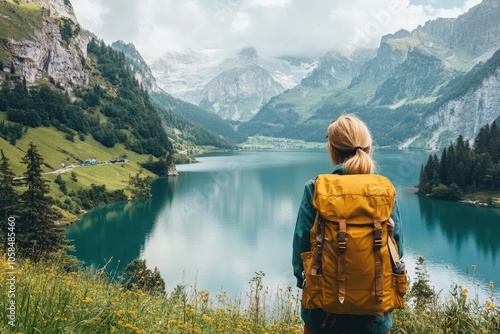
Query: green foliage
[
  {"x": 159, "y": 167},
  {"x": 421, "y": 292},
  {"x": 130, "y": 119},
  {"x": 36, "y": 231},
  {"x": 279, "y": 120},
  {"x": 66, "y": 29},
  {"x": 61, "y": 183},
  {"x": 458, "y": 313},
  {"x": 453, "y": 192},
  {"x": 57, "y": 299},
  {"x": 11, "y": 131},
  {"x": 462, "y": 168},
  {"x": 141, "y": 186},
  {"x": 183, "y": 159},
  {"x": 96, "y": 196},
  {"x": 203, "y": 127},
  {"x": 9, "y": 202},
  {"x": 138, "y": 276},
  {"x": 20, "y": 21}
]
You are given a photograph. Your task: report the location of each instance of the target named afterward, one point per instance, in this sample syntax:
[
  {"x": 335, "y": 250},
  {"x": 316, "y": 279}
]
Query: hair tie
[{"x": 358, "y": 148}]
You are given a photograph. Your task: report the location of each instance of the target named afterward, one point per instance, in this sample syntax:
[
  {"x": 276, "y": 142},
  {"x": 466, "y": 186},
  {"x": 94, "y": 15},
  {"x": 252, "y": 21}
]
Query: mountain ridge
[
  {"x": 195, "y": 76},
  {"x": 404, "y": 82}
]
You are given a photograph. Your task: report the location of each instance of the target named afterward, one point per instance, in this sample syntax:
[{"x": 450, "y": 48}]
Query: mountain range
[
  {"x": 415, "y": 90},
  {"x": 233, "y": 86},
  {"x": 400, "y": 88}
]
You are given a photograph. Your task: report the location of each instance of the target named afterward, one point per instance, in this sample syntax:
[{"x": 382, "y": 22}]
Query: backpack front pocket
[
  {"x": 399, "y": 288},
  {"x": 312, "y": 293}
]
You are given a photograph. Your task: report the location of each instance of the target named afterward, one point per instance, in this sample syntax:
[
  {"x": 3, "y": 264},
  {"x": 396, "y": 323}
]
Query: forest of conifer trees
[{"x": 463, "y": 169}]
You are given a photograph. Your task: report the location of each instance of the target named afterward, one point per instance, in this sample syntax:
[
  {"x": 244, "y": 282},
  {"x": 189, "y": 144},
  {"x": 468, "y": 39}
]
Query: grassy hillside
[
  {"x": 56, "y": 150},
  {"x": 50, "y": 299},
  {"x": 19, "y": 22}
]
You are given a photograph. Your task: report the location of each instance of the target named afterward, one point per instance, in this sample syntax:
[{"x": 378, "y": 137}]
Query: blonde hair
[{"x": 350, "y": 143}]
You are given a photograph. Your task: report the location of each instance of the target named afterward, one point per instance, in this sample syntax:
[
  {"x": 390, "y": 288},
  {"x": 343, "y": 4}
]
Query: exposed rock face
[
  {"x": 198, "y": 77},
  {"x": 475, "y": 31},
  {"x": 138, "y": 65},
  {"x": 467, "y": 114},
  {"x": 172, "y": 170},
  {"x": 239, "y": 93},
  {"x": 459, "y": 43},
  {"x": 417, "y": 77},
  {"x": 425, "y": 82},
  {"x": 46, "y": 51},
  {"x": 335, "y": 69}
]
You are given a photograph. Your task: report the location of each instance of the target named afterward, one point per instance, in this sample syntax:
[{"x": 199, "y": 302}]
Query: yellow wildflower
[
  {"x": 464, "y": 292},
  {"x": 87, "y": 300},
  {"x": 490, "y": 304},
  {"x": 134, "y": 328},
  {"x": 492, "y": 285}
]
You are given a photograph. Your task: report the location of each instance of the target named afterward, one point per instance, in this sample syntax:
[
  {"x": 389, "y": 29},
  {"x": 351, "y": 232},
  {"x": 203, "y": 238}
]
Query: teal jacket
[{"x": 301, "y": 243}]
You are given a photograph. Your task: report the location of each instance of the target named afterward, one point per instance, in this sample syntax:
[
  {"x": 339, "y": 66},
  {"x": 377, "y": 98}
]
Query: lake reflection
[{"x": 225, "y": 218}]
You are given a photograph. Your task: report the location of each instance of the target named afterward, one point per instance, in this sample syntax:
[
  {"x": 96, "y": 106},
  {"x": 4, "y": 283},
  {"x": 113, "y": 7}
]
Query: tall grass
[{"x": 50, "y": 299}]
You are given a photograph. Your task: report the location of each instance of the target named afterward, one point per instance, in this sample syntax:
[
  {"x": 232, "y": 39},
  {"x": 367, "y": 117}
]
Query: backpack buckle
[
  {"x": 342, "y": 242},
  {"x": 377, "y": 236}
]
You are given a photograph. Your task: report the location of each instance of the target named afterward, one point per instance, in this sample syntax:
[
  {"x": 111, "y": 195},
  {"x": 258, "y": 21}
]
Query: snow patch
[{"x": 397, "y": 105}]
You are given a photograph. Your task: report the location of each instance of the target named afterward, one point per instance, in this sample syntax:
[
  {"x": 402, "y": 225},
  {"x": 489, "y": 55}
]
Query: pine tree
[
  {"x": 423, "y": 184},
  {"x": 8, "y": 195},
  {"x": 38, "y": 233},
  {"x": 421, "y": 290},
  {"x": 138, "y": 276},
  {"x": 495, "y": 143}
]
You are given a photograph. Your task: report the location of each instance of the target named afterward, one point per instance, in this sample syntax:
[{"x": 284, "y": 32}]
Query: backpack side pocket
[
  {"x": 312, "y": 293},
  {"x": 399, "y": 288}
]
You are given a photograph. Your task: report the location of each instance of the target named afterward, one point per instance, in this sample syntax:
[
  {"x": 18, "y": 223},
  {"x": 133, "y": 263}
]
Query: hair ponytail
[
  {"x": 350, "y": 143},
  {"x": 360, "y": 163}
]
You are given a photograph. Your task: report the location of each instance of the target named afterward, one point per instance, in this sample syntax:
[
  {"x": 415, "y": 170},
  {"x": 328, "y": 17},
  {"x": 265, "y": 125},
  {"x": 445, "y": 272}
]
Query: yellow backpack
[{"x": 349, "y": 269}]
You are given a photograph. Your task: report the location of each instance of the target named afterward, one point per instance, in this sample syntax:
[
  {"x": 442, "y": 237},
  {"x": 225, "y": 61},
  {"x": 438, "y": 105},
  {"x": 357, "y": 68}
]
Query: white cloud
[
  {"x": 273, "y": 27},
  {"x": 90, "y": 13},
  {"x": 241, "y": 22},
  {"x": 268, "y": 3}
]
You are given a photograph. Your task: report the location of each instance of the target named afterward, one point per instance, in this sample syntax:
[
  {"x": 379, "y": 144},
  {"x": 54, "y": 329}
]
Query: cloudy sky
[{"x": 273, "y": 27}]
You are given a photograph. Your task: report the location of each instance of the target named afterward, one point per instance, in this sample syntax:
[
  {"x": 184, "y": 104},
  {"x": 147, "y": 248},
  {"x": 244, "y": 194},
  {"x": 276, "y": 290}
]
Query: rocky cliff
[
  {"x": 458, "y": 43},
  {"x": 416, "y": 91},
  {"x": 46, "y": 41},
  {"x": 469, "y": 111},
  {"x": 138, "y": 65},
  {"x": 240, "y": 92}
]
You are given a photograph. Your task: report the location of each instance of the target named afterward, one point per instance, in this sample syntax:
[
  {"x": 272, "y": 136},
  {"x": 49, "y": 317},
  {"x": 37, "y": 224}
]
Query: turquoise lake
[{"x": 231, "y": 215}]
